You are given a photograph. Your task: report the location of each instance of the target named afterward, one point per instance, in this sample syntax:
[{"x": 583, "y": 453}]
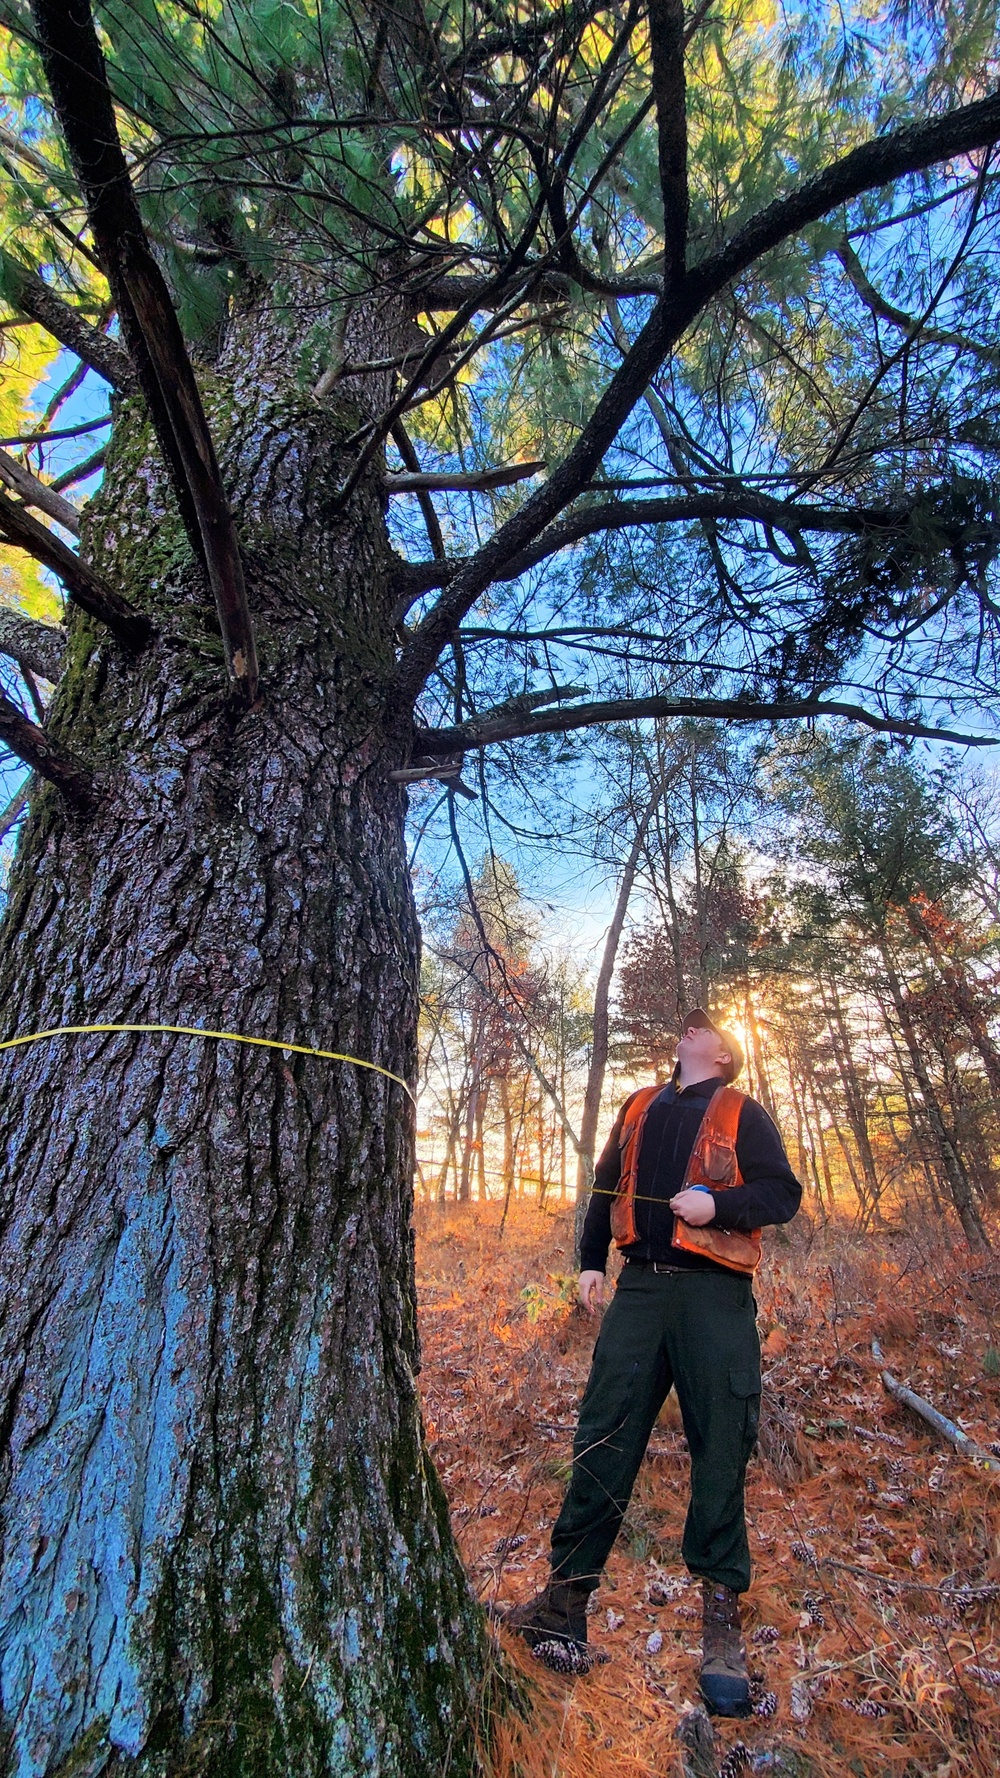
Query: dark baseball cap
[{"x": 700, "y": 1019}]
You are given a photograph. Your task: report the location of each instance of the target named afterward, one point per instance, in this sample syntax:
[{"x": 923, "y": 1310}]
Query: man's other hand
[
  {"x": 694, "y": 1207},
  {"x": 591, "y": 1291}
]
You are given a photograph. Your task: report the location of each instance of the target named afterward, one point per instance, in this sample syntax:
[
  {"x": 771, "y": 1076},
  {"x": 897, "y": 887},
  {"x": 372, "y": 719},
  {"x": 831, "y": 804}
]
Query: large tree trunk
[{"x": 225, "y": 1550}]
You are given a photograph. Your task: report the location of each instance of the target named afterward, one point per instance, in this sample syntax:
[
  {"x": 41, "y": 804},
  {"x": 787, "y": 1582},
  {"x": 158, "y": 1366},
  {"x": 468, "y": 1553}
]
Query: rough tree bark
[{"x": 225, "y": 1550}]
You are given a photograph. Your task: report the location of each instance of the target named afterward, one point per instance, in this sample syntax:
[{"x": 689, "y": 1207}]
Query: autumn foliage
[{"x": 874, "y": 1617}]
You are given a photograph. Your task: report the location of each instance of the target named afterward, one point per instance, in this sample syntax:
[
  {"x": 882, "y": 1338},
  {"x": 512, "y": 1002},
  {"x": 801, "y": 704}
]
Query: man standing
[{"x": 690, "y": 1174}]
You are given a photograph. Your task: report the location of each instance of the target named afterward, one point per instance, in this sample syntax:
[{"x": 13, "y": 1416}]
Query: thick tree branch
[
  {"x": 500, "y": 725},
  {"x": 747, "y": 507},
  {"x": 36, "y": 493},
  {"x": 666, "y": 39},
  {"x": 476, "y": 481},
  {"x": 104, "y": 355},
  {"x": 876, "y": 163},
  {"x": 84, "y": 587},
  {"x": 45, "y": 756},
  {"x": 908, "y": 150},
  {"x": 446, "y": 293},
  {"x": 449, "y": 292},
  {"x": 37, "y": 646},
  {"x": 77, "y": 77}
]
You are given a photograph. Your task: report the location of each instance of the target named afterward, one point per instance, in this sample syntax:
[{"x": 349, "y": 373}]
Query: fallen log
[{"x": 940, "y": 1422}]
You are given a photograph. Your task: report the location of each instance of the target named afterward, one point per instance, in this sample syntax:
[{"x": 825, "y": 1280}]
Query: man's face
[{"x": 700, "y": 1052}]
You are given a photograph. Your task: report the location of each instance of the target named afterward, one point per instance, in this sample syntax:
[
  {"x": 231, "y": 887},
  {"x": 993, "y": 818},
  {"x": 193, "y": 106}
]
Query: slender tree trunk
[
  {"x": 602, "y": 995},
  {"x": 562, "y": 1094},
  {"x": 823, "y": 1151},
  {"x": 807, "y": 1156},
  {"x": 962, "y": 1195},
  {"x": 859, "y": 1190},
  {"x": 922, "y": 922},
  {"x": 508, "y": 1137},
  {"x": 671, "y": 916},
  {"x": 763, "y": 1083},
  {"x": 480, "y": 1143},
  {"x": 469, "y": 1142},
  {"x": 520, "y": 1139},
  {"x": 968, "y": 1130},
  {"x": 917, "y": 1117},
  {"x": 699, "y": 890},
  {"x": 451, "y": 1143},
  {"x": 225, "y": 1548},
  {"x": 854, "y": 1097},
  {"x": 812, "y": 1112}
]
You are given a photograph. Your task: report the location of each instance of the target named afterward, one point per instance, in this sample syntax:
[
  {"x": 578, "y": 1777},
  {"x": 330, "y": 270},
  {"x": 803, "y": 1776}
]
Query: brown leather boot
[
  {"x": 725, "y": 1683},
  {"x": 557, "y": 1614}
]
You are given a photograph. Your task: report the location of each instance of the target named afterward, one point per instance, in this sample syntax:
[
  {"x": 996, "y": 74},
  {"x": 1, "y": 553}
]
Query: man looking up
[{"x": 690, "y": 1174}]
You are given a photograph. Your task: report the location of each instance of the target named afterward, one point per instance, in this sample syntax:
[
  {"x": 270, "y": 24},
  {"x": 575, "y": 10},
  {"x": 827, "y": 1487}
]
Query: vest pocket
[{"x": 718, "y": 1162}]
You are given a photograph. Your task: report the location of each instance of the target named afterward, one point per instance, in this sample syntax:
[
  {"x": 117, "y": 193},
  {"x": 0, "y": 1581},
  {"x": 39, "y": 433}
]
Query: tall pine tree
[{"x": 723, "y": 273}]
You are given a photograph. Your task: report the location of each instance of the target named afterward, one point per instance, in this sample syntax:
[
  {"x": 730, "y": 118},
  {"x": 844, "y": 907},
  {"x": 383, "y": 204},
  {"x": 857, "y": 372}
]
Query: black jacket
[{"x": 770, "y": 1192}]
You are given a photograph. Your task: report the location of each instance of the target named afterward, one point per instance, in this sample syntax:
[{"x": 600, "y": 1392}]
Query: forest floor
[{"x": 873, "y": 1621}]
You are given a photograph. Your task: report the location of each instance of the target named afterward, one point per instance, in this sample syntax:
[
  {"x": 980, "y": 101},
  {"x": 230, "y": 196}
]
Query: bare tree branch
[
  {"x": 36, "y": 493},
  {"x": 420, "y": 378},
  {"x": 46, "y": 436},
  {"x": 79, "y": 471},
  {"x": 432, "y": 524},
  {"x": 446, "y": 292},
  {"x": 74, "y": 66},
  {"x": 476, "y": 481},
  {"x": 18, "y": 801},
  {"x": 666, "y": 38},
  {"x": 449, "y": 292},
  {"x": 912, "y": 325},
  {"x": 59, "y": 319},
  {"x": 84, "y": 587},
  {"x": 486, "y": 730},
  {"x": 62, "y": 768},
  {"x": 495, "y": 957},
  {"x": 876, "y": 163},
  {"x": 747, "y": 506},
  {"x": 38, "y": 647}
]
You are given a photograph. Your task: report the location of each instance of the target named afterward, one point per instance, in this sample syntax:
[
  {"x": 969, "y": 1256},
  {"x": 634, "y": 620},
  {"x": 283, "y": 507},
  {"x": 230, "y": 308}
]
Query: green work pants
[{"x": 697, "y": 1331}]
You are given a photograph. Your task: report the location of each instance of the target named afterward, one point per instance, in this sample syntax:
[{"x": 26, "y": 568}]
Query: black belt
[{"x": 663, "y": 1265}]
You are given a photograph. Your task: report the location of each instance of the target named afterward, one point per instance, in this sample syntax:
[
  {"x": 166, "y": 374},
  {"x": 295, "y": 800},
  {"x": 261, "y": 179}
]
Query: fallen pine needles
[{"x": 875, "y": 1652}]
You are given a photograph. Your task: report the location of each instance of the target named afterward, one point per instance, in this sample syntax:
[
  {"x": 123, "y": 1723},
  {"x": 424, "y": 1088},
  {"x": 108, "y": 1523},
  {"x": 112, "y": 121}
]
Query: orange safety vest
[{"x": 712, "y": 1162}]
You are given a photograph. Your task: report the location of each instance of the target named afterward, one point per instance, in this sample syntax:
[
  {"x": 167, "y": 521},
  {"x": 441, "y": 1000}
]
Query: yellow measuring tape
[{"x": 265, "y": 1043}]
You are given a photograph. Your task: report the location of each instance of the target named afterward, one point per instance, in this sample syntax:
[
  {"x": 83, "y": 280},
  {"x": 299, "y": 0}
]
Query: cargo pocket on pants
[{"x": 744, "y": 1383}]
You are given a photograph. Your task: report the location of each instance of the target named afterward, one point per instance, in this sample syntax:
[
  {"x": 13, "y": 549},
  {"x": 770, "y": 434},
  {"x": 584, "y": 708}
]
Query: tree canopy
[{"x": 716, "y": 283}]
